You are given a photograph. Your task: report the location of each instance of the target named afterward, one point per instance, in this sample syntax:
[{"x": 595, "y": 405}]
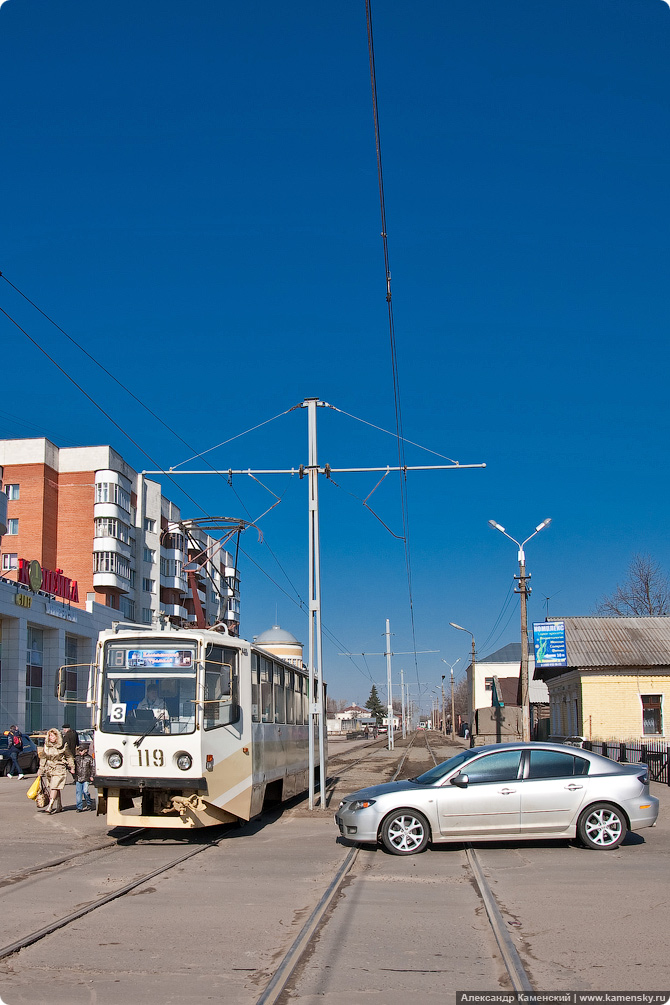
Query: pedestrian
[
  {"x": 70, "y": 738},
  {"x": 55, "y": 762},
  {"x": 83, "y": 774},
  {"x": 14, "y": 748}
]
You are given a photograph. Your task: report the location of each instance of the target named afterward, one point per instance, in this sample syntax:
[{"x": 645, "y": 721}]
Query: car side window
[
  {"x": 503, "y": 766},
  {"x": 555, "y": 764}
]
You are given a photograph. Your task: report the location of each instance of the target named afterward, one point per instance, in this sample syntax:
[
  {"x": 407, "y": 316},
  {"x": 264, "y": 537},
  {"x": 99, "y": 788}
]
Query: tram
[{"x": 195, "y": 727}]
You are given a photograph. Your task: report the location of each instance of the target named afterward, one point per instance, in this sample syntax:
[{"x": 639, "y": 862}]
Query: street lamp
[
  {"x": 472, "y": 679},
  {"x": 523, "y": 592},
  {"x": 453, "y": 726}
]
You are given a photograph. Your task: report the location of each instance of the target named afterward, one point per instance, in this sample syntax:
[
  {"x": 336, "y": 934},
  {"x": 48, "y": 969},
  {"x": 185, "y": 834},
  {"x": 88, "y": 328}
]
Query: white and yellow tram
[{"x": 195, "y": 727}]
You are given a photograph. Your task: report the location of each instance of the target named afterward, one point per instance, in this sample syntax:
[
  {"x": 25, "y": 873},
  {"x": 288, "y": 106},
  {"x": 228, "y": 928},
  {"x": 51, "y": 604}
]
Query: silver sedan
[{"x": 504, "y": 792}]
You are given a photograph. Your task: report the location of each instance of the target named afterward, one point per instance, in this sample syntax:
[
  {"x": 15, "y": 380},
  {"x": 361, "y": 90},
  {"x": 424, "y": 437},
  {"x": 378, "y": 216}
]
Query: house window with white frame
[
  {"x": 13, "y": 526},
  {"x": 13, "y": 491},
  {"x": 10, "y": 561},
  {"x": 652, "y": 714}
]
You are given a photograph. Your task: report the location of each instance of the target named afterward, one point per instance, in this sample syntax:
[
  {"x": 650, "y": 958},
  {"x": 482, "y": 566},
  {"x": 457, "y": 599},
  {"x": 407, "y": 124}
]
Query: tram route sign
[
  {"x": 160, "y": 658},
  {"x": 550, "y": 648}
]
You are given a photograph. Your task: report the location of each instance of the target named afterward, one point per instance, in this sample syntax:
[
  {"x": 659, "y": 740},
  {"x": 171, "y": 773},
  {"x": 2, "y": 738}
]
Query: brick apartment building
[{"x": 87, "y": 540}]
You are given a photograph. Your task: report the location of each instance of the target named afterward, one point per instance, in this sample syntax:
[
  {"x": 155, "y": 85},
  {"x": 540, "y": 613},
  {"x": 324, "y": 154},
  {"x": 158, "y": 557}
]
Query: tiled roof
[{"x": 611, "y": 642}]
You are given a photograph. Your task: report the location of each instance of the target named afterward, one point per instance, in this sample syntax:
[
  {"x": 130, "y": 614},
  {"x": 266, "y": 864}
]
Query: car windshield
[{"x": 436, "y": 774}]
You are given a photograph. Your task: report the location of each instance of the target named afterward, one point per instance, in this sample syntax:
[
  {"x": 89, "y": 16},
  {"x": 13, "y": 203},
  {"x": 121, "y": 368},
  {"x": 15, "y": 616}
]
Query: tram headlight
[
  {"x": 184, "y": 761},
  {"x": 114, "y": 759}
]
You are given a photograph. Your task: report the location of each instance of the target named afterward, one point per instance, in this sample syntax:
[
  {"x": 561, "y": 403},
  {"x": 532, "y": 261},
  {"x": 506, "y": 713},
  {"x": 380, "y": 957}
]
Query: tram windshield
[{"x": 148, "y": 689}]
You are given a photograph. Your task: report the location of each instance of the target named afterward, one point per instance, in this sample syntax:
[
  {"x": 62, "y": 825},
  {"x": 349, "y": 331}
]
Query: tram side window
[
  {"x": 280, "y": 700},
  {"x": 255, "y": 693},
  {"x": 297, "y": 698},
  {"x": 221, "y": 687},
  {"x": 267, "y": 711},
  {"x": 290, "y": 704}
]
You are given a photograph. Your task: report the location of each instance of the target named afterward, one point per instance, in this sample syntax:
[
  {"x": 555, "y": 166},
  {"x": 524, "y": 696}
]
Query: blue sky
[{"x": 191, "y": 192}]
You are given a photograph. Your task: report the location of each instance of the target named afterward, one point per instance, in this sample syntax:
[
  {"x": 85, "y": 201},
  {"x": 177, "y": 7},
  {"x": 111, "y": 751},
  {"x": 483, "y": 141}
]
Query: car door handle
[
  {"x": 507, "y": 792},
  {"x": 573, "y": 788}
]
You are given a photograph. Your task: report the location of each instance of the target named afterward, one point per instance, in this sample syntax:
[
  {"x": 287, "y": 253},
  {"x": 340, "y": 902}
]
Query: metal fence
[{"x": 653, "y": 753}]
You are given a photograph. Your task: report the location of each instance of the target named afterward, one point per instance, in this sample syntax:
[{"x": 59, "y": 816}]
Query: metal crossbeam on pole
[{"x": 317, "y": 713}]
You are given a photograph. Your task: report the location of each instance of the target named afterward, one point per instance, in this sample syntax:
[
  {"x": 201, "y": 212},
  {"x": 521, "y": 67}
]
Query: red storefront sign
[{"x": 33, "y": 575}]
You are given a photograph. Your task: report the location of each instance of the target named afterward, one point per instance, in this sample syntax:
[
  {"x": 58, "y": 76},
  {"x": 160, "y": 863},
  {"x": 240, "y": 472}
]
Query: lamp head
[
  {"x": 545, "y": 523},
  {"x": 496, "y": 526},
  {"x": 456, "y": 626}
]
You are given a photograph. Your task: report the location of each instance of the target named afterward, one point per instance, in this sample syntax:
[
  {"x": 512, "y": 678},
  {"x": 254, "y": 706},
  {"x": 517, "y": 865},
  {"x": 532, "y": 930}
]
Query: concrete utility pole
[
  {"x": 317, "y": 713},
  {"x": 523, "y": 592},
  {"x": 402, "y": 703},
  {"x": 451, "y": 668}
]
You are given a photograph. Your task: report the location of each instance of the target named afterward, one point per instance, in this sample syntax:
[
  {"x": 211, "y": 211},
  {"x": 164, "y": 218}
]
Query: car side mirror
[{"x": 461, "y": 780}]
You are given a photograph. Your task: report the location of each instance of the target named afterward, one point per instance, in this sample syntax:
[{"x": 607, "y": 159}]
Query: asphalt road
[{"x": 215, "y": 928}]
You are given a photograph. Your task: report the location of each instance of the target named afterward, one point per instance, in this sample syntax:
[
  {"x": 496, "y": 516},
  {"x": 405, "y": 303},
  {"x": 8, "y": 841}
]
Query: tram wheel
[{"x": 405, "y": 832}]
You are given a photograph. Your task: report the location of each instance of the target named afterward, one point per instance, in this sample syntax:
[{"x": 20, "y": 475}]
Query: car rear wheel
[
  {"x": 405, "y": 832},
  {"x": 602, "y": 826}
]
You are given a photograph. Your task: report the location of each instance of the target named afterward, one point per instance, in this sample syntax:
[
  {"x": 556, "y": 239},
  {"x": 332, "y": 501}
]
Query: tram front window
[{"x": 148, "y": 691}]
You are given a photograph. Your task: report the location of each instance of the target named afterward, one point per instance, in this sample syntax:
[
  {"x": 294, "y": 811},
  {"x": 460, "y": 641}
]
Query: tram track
[{"x": 302, "y": 945}]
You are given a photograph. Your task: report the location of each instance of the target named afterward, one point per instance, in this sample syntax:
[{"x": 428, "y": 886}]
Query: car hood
[{"x": 375, "y": 791}]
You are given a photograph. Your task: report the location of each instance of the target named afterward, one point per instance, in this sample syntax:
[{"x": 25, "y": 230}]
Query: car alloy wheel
[
  {"x": 405, "y": 832},
  {"x": 602, "y": 826}
]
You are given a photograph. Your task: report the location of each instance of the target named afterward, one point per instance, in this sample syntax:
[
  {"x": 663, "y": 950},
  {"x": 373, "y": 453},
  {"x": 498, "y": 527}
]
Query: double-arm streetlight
[
  {"x": 523, "y": 592},
  {"x": 471, "y": 696},
  {"x": 453, "y": 725}
]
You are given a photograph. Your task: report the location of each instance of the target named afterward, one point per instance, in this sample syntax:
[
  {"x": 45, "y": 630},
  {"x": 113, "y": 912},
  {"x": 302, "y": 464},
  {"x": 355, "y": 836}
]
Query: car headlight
[
  {"x": 184, "y": 761},
  {"x": 362, "y": 804},
  {"x": 114, "y": 759}
]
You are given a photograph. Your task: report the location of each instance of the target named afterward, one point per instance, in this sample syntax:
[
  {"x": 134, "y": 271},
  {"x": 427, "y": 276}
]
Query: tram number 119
[{"x": 150, "y": 758}]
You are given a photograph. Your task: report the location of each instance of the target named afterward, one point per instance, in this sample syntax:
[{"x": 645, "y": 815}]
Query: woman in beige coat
[{"x": 55, "y": 761}]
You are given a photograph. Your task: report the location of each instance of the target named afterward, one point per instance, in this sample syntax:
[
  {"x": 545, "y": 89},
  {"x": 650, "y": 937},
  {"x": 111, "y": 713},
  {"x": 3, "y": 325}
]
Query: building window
[
  {"x": 113, "y": 493},
  {"x": 109, "y": 561},
  {"x": 147, "y": 615},
  {"x": 652, "y": 717},
  {"x": 10, "y": 561},
  {"x": 149, "y": 555},
  {"x": 127, "y": 608},
  {"x": 12, "y": 491},
  {"x": 34, "y": 662},
  {"x": 107, "y": 526},
  {"x": 488, "y": 683},
  {"x": 148, "y": 585},
  {"x": 149, "y": 525},
  {"x": 12, "y": 526}
]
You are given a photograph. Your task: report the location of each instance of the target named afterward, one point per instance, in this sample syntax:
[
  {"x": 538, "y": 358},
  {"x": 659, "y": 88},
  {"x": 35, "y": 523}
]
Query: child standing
[{"x": 83, "y": 774}]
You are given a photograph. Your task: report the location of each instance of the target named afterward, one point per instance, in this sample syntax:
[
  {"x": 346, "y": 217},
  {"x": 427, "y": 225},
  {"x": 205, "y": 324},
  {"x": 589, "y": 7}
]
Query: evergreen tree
[{"x": 375, "y": 705}]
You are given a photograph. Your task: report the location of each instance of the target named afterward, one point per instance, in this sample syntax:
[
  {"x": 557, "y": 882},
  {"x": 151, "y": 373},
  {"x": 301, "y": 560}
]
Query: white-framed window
[
  {"x": 147, "y": 615},
  {"x": 148, "y": 585},
  {"x": 10, "y": 561},
  {"x": 12, "y": 491},
  {"x": 488, "y": 683},
  {"x": 149, "y": 555},
  {"x": 112, "y": 492},
  {"x": 13, "y": 526},
  {"x": 149, "y": 525},
  {"x": 107, "y": 526},
  {"x": 109, "y": 561},
  {"x": 652, "y": 714}
]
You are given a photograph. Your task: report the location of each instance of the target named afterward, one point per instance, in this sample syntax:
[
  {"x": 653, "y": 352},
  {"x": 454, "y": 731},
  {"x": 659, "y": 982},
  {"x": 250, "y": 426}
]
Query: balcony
[
  {"x": 110, "y": 580},
  {"x": 175, "y": 611},
  {"x": 112, "y": 544},
  {"x": 174, "y": 583}
]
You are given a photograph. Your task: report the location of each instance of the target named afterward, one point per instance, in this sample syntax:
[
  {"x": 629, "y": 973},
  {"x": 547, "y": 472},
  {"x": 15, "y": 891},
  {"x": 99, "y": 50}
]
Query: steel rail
[
  {"x": 67, "y": 919},
  {"x": 508, "y": 950},
  {"x": 20, "y": 877},
  {"x": 282, "y": 975}
]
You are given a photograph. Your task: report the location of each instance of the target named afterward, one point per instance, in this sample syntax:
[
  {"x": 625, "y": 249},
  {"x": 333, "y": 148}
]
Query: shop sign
[
  {"x": 550, "y": 650},
  {"x": 23, "y": 600},
  {"x": 33, "y": 575},
  {"x": 60, "y": 612}
]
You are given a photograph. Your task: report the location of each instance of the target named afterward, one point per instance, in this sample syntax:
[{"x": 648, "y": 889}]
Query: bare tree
[{"x": 644, "y": 593}]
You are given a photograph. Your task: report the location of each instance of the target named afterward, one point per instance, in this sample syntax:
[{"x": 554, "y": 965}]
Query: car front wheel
[
  {"x": 602, "y": 826},
  {"x": 405, "y": 832}
]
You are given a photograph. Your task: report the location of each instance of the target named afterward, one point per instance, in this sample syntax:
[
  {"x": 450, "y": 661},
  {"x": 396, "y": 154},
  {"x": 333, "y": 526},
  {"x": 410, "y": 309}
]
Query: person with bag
[
  {"x": 14, "y": 748},
  {"x": 55, "y": 762}
]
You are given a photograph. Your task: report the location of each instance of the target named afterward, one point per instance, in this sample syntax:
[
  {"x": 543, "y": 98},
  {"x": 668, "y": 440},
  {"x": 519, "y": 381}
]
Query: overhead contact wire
[{"x": 394, "y": 355}]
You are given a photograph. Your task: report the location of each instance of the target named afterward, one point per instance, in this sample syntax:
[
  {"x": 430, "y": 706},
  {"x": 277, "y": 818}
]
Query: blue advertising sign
[
  {"x": 549, "y": 637},
  {"x": 160, "y": 658}
]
